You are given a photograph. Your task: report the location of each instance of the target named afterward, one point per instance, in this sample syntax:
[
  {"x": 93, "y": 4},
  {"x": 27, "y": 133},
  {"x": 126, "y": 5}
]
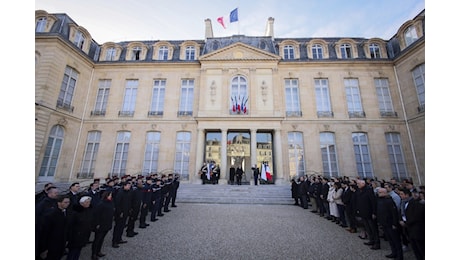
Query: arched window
[
  {"x": 190, "y": 53},
  {"x": 53, "y": 149},
  {"x": 239, "y": 95},
  {"x": 288, "y": 52},
  {"x": 374, "y": 50},
  {"x": 317, "y": 51},
  {"x": 163, "y": 53}
]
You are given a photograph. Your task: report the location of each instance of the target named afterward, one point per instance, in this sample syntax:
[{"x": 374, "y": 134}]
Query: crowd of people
[
  {"x": 393, "y": 211},
  {"x": 65, "y": 221}
]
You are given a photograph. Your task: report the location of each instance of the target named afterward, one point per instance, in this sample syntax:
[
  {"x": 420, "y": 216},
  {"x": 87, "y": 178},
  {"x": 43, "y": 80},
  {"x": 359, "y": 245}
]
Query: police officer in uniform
[{"x": 146, "y": 201}]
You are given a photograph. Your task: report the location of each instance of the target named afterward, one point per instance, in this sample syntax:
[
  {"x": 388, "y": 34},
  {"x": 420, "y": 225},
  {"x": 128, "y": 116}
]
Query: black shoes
[
  {"x": 390, "y": 256},
  {"x": 115, "y": 245},
  {"x": 174, "y": 206},
  {"x": 153, "y": 220},
  {"x": 369, "y": 243},
  {"x": 143, "y": 226},
  {"x": 375, "y": 247},
  {"x": 122, "y": 242},
  {"x": 100, "y": 254},
  {"x": 161, "y": 215},
  {"x": 132, "y": 234},
  {"x": 166, "y": 210}
]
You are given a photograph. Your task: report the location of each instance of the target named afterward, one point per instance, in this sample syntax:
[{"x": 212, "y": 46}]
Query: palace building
[{"x": 325, "y": 106}]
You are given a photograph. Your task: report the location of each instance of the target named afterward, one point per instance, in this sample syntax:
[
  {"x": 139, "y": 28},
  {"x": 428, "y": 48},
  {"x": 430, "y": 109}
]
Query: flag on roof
[{"x": 233, "y": 17}]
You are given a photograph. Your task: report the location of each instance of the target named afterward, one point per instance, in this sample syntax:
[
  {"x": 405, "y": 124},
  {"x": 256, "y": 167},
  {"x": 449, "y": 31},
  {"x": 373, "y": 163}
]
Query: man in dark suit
[
  {"x": 366, "y": 208},
  {"x": 122, "y": 207},
  {"x": 413, "y": 219},
  {"x": 388, "y": 218},
  {"x": 256, "y": 173},
  {"x": 348, "y": 197}
]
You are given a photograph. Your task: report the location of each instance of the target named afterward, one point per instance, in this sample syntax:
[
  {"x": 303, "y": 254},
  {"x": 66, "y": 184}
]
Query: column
[
  {"x": 278, "y": 156},
  {"x": 223, "y": 158},
  {"x": 199, "y": 156},
  {"x": 253, "y": 149}
]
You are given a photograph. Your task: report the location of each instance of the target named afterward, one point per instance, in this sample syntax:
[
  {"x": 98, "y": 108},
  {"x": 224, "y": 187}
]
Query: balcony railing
[
  {"x": 356, "y": 114},
  {"x": 98, "y": 113},
  {"x": 155, "y": 113},
  {"x": 184, "y": 113},
  {"x": 388, "y": 114},
  {"x": 126, "y": 113},
  {"x": 293, "y": 113},
  {"x": 60, "y": 104},
  {"x": 325, "y": 114}
]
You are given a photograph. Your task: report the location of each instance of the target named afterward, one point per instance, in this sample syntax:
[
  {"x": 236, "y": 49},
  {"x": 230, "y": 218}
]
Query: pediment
[{"x": 239, "y": 52}]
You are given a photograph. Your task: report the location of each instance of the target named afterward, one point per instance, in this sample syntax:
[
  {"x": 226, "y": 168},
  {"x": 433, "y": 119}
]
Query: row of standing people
[
  {"x": 391, "y": 209},
  {"x": 64, "y": 221}
]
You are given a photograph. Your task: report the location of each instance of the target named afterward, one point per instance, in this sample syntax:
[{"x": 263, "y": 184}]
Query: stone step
[{"x": 234, "y": 194}]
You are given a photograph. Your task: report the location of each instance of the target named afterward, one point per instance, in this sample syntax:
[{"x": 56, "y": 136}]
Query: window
[
  {"x": 186, "y": 97},
  {"x": 419, "y": 80},
  {"x": 288, "y": 52},
  {"x": 410, "y": 35},
  {"x": 239, "y": 95},
  {"x": 137, "y": 53},
  {"x": 152, "y": 149},
  {"x": 296, "y": 154},
  {"x": 129, "y": 100},
  {"x": 79, "y": 40},
  {"x": 102, "y": 97},
  {"x": 89, "y": 157},
  {"x": 383, "y": 94},
  {"x": 41, "y": 24},
  {"x": 53, "y": 149},
  {"x": 182, "y": 154},
  {"x": 329, "y": 154},
  {"x": 362, "y": 155},
  {"x": 395, "y": 152},
  {"x": 374, "y": 50},
  {"x": 323, "y": 103},
  {"x": 291, "y": 89},
  {"x": 67, "y": 89},
  {"x": 120, "y": 157},
  {"x": 163, "y": 53},
  {"x": 190, "y": 53},
  {"x": 355, "y": 108},
  {"x": 110, "y": 54},
  {"x": 158, "y": 97},
  {"x": 317, "y": 51},
  {"x": 345, "y": 51}
]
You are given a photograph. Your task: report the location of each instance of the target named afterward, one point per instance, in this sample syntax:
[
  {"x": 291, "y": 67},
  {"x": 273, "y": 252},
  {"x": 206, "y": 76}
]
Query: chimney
[
  {"x": 208, "y": 29},
  {"x": 269, "y": 29}
]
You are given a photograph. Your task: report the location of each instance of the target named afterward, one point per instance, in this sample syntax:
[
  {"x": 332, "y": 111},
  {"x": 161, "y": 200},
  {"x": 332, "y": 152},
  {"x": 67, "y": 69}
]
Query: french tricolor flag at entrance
[{"x": 265, "y": 174}]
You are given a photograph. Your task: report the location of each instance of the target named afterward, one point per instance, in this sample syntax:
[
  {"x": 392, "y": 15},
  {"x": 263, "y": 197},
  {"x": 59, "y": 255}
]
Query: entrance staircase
[{"x": 234, "y": 194}]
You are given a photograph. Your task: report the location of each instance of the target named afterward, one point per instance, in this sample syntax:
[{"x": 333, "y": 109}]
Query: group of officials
[
  {"x": 64, "y": 221},
  {"x": 391, "y": 210}
]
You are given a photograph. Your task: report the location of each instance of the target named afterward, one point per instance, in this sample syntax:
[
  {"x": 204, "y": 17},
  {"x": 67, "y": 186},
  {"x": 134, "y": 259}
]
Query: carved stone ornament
[
  {"x": 123, "y": 126},
  {"x": 95, "y": 126},
  {"x": 294, "y": 126},
  {"x": 213, "y": 91},
  {"x": 359, "y": 126},
  {"x": 264, "y": 91},
  {"x": 62, "y": 121},
  {"x": 183, "y": 126},
  {"x": 154, "y": 126},
  {"x": 326, "y": 127},
  {"x": 392, "y": 127}
]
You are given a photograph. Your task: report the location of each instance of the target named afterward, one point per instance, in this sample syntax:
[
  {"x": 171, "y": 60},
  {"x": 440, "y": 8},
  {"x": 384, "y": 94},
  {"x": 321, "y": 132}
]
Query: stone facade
[{"x": 67, "y": 111}]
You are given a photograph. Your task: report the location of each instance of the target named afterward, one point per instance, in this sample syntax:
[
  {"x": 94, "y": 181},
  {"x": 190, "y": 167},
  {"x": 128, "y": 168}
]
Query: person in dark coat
[
  {"x": 167, "y": 192},
  {"x": 155, "y": 200},
  {"x": 239, "y": 175},
  {"x": 54, "y": 230},
  {"x": 42, "y": 194},
  {"x": 45, "y": 204},
  {"x": 413, "y": 219},
  {"x": 103, "y": 219},
  {"x": 324, "y": 205},
  {"x": 388, "y": 218},
  {"x": 175, "y": 187},
  {"x": 232, "y": 175},
  {"x": 74, "y": 194},
  {"x": 122, "y": 208},
  {"x": 135, "y": 208},
  {"x": 80, "y": 227},
  {"x": 366, "y": 208},
  {"x": 146, "y": 201},
  {"x": 302, "y": 192},
  {"x": 295, "y": 192},
  {"x": 203, "y": 171},
  {"x": 256, "y": 173},
  {"x": 348, "y": 198}
]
